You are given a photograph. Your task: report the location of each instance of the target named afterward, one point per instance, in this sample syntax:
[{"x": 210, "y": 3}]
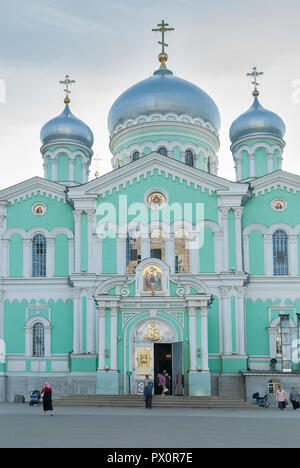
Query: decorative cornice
[{"x": 158, "y": 117}]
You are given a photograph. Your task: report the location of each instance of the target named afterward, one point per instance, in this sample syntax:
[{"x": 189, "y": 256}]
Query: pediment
[
  {"x": 31, "y": 187},
  {"x": 285, "y": 180}
]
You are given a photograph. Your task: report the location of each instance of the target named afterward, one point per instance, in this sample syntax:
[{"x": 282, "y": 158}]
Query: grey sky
[{"x": 107, "y": 46}]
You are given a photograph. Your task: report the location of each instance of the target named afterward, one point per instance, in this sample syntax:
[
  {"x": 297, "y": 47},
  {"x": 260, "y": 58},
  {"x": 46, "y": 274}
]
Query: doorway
[{"x": 163, "y": 361}]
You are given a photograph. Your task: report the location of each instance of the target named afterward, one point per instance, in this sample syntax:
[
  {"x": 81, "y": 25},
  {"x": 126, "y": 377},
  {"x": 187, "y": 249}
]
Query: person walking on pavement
[
  {"x": 46, "y": 393},
  {"x": 148, "y": 395},
  {"x": 294, "y": 398},
  {"x": 281, "y": 398}
]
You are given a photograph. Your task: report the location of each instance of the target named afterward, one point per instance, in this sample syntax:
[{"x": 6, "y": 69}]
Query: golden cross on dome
[
  {"x": 163, "y": 29},
  {"x": 255, "y": 74},
  {"x": 67, "y": 82}
]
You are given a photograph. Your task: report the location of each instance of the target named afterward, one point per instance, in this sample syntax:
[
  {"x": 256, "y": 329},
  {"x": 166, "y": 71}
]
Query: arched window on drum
[
  {"x": 182, "y": 251},
  {"x": 136, "y": 156},
  {"x": 189, "y": 158},
  {"x": 163, "y": 151},
  {"x": 280, "y": 253}
]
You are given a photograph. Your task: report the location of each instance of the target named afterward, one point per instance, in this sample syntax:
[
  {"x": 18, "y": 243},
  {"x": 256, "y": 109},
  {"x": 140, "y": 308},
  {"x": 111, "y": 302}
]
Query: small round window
[
  {"x": 39, "y": 209},
  {"x": 279, "y": 204},
  {"x": 157, "y": 200}
]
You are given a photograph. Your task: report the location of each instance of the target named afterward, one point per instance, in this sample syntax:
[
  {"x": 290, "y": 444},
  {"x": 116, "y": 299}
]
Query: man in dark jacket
[{"x": 148, "y": 394}]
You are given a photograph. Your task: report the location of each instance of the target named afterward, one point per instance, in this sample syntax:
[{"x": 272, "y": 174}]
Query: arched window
[
  {"x": 38, "y": 340},
  {"x": 182, "y": 252},
  {"x": 280, "y": 253},
  {"x": 39, "y": 253},
  {"x": 158, "y": 244},
  {"x": 133, "y": 251},
  {"x": 209, "y": 165},
  {"x": 189, "y": 158},
  {"x": 135, "y": 156},
  {"x": 163, "y": 151}
]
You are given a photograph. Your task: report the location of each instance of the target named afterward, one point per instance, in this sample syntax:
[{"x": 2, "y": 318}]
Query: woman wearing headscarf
[
  {"x": 47, "y": 399},
  {"x": 161, "y": 383}
]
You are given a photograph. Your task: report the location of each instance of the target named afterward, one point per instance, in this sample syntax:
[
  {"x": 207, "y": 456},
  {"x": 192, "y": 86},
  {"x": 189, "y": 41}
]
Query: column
[
  {"x": 246, "y": 254},
  {"x": 239, "y": 168},
  {"x": 269, "y": 262},
  {"x": 84, "y": 172},
  {"x": 90, "y": 342},
  {"x": 114, "y": 339},
  {"x": 293, "y": 248},
  {"x": 226, "y": 319},
  {"x": 50, "y": 258},
  {"x": 90, "y": 233},
  {"x": 240, "y": 321},
  {"x": 101, "y": 344},
  {"x": 270, "y": 159},
  {"x": 225, "y": 217},
  {"x": 204, "y": 338},
  {"x": 218, "y": 251},
  {"x": 238, "y": 238},
  {"x": 54, "y": 170},
  {"x": 170, "y": 252},
  {"x": 77, "y": 338},
  {"x": 193, "y": 342},
  {"x": 77, "y": 219},
  {"x": 27, "y": 255},
  {"x": 252, "y": 165},
  {"x": 71, "y": 169}
]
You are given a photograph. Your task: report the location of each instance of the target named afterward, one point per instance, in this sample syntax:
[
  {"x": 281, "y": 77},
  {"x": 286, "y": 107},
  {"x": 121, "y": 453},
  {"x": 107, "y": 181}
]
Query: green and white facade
[{"x": 74, "y": 309}]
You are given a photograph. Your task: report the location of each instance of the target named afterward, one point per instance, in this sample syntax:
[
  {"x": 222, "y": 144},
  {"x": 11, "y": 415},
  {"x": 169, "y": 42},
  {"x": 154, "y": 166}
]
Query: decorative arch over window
[
  {"x": 39, "y": 256},
  {"x": 189, "y": 158},
  {"x": 133, "y": 256},
  {"x": 158, "y": 244},
  {"x": 280, "y": 253},
  {"x": 163, "y": 151},
  {"x": 182, "y": 251},
  {"x": 135, "y": 156},
  {"x": 38, "y": 337}
]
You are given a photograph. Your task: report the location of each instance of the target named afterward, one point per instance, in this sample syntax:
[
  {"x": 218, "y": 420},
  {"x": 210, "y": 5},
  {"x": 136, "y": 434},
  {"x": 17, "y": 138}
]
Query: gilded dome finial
[
  {"x": 255, "y": 74},
  {"x": 163, "y": 56},
  {"x": 67, "y": 82}
]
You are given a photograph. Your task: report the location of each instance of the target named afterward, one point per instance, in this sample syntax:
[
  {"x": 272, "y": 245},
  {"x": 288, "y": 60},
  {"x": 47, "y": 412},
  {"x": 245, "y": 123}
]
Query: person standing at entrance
[
  {"x": 148, "y": 395},
  {"x": 47, "y": 399},
  {"x": 281, "y": 398},
  {"x": 294, "y": 398},
  {"x": 179, "y": 384}
]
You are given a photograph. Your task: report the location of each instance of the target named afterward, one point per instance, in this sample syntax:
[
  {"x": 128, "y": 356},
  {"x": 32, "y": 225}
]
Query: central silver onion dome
[
  {"x": 163, "y": 93},
  {"x": 257, "y": 120},
  {"x": 67, "y": 127}
]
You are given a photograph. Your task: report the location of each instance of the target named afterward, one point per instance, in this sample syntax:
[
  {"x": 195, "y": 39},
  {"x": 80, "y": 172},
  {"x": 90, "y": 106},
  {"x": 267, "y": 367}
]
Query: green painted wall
[
  {"x": 16, "y": 256},
  {"x": 62, "y": 168},
  {"x": 207, "y": 252},
  {"x": 256, "y": 253},
  {"x": 61, "y": 255},
  {"x": 78, "y": 170},
  {"x": 261, "y": 162}
]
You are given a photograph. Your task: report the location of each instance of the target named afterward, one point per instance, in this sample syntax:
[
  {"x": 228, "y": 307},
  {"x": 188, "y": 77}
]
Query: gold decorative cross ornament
[
  {"x": 67, "y": 82},
  {"x": 255, "y": 74}
]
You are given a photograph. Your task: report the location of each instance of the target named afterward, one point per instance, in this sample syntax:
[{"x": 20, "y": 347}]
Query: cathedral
[{"x": 161, "y": 264}]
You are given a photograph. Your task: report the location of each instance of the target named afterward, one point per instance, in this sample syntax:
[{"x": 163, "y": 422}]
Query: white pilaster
[
  {"x": 90, "y": 342},
  {"x": 293, "y": 253},
  {"x": 121, "y": 254},
  {"x": 72, "y": 169},
  {"x": 170, "y": 252},
  {"x": 91, "y": 240},
  {"x": 101, "y": 341},
  {"x": 114, "y": 339},
  {"x": 238, "y": 237},
  {"x": 54, "y": 170},
  {"x": 225, "y": 217},
  {"x": 246, "y": 254},
  {"x": 226, "y": 320},
  {"x": 77, "y": 338},
  {"x": 269, "y": 263},
  {"x": 204, "y": 339},
  {"x": 2, "y": 295},
  {"x": 252, "y": 165},
  {"x": 193, "y": 342},
  {"x": 145, "y": 246},
  {"x": 27, "y": 258},
  {"x": 77, "y": 219},
  {"x": 270, "y": 162},
  {"x": 218, "y": 251},
  {"x": 240, "y": 321},
  {"x": 50, "y": 258}
]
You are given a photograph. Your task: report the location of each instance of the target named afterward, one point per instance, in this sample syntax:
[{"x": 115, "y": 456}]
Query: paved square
[{"x": 22, "y": 426}]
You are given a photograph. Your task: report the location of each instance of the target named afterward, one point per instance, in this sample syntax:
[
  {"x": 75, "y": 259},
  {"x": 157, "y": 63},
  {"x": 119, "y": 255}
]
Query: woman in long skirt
[{"x": 47, "y": 399}]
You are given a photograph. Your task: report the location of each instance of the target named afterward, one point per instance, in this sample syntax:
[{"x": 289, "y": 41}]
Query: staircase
[{"x": 135, "y": 401}]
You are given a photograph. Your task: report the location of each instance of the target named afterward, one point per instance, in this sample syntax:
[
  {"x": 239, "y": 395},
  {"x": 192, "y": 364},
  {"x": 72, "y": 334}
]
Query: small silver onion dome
[
  {"x": 163, "y": 93},
  {"x": 67, "y": 127},
  {"x": 257, "y": 120}
]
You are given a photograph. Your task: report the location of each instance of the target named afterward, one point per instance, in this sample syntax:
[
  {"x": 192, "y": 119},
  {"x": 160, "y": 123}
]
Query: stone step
[{"x": 127, "y": 401}]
